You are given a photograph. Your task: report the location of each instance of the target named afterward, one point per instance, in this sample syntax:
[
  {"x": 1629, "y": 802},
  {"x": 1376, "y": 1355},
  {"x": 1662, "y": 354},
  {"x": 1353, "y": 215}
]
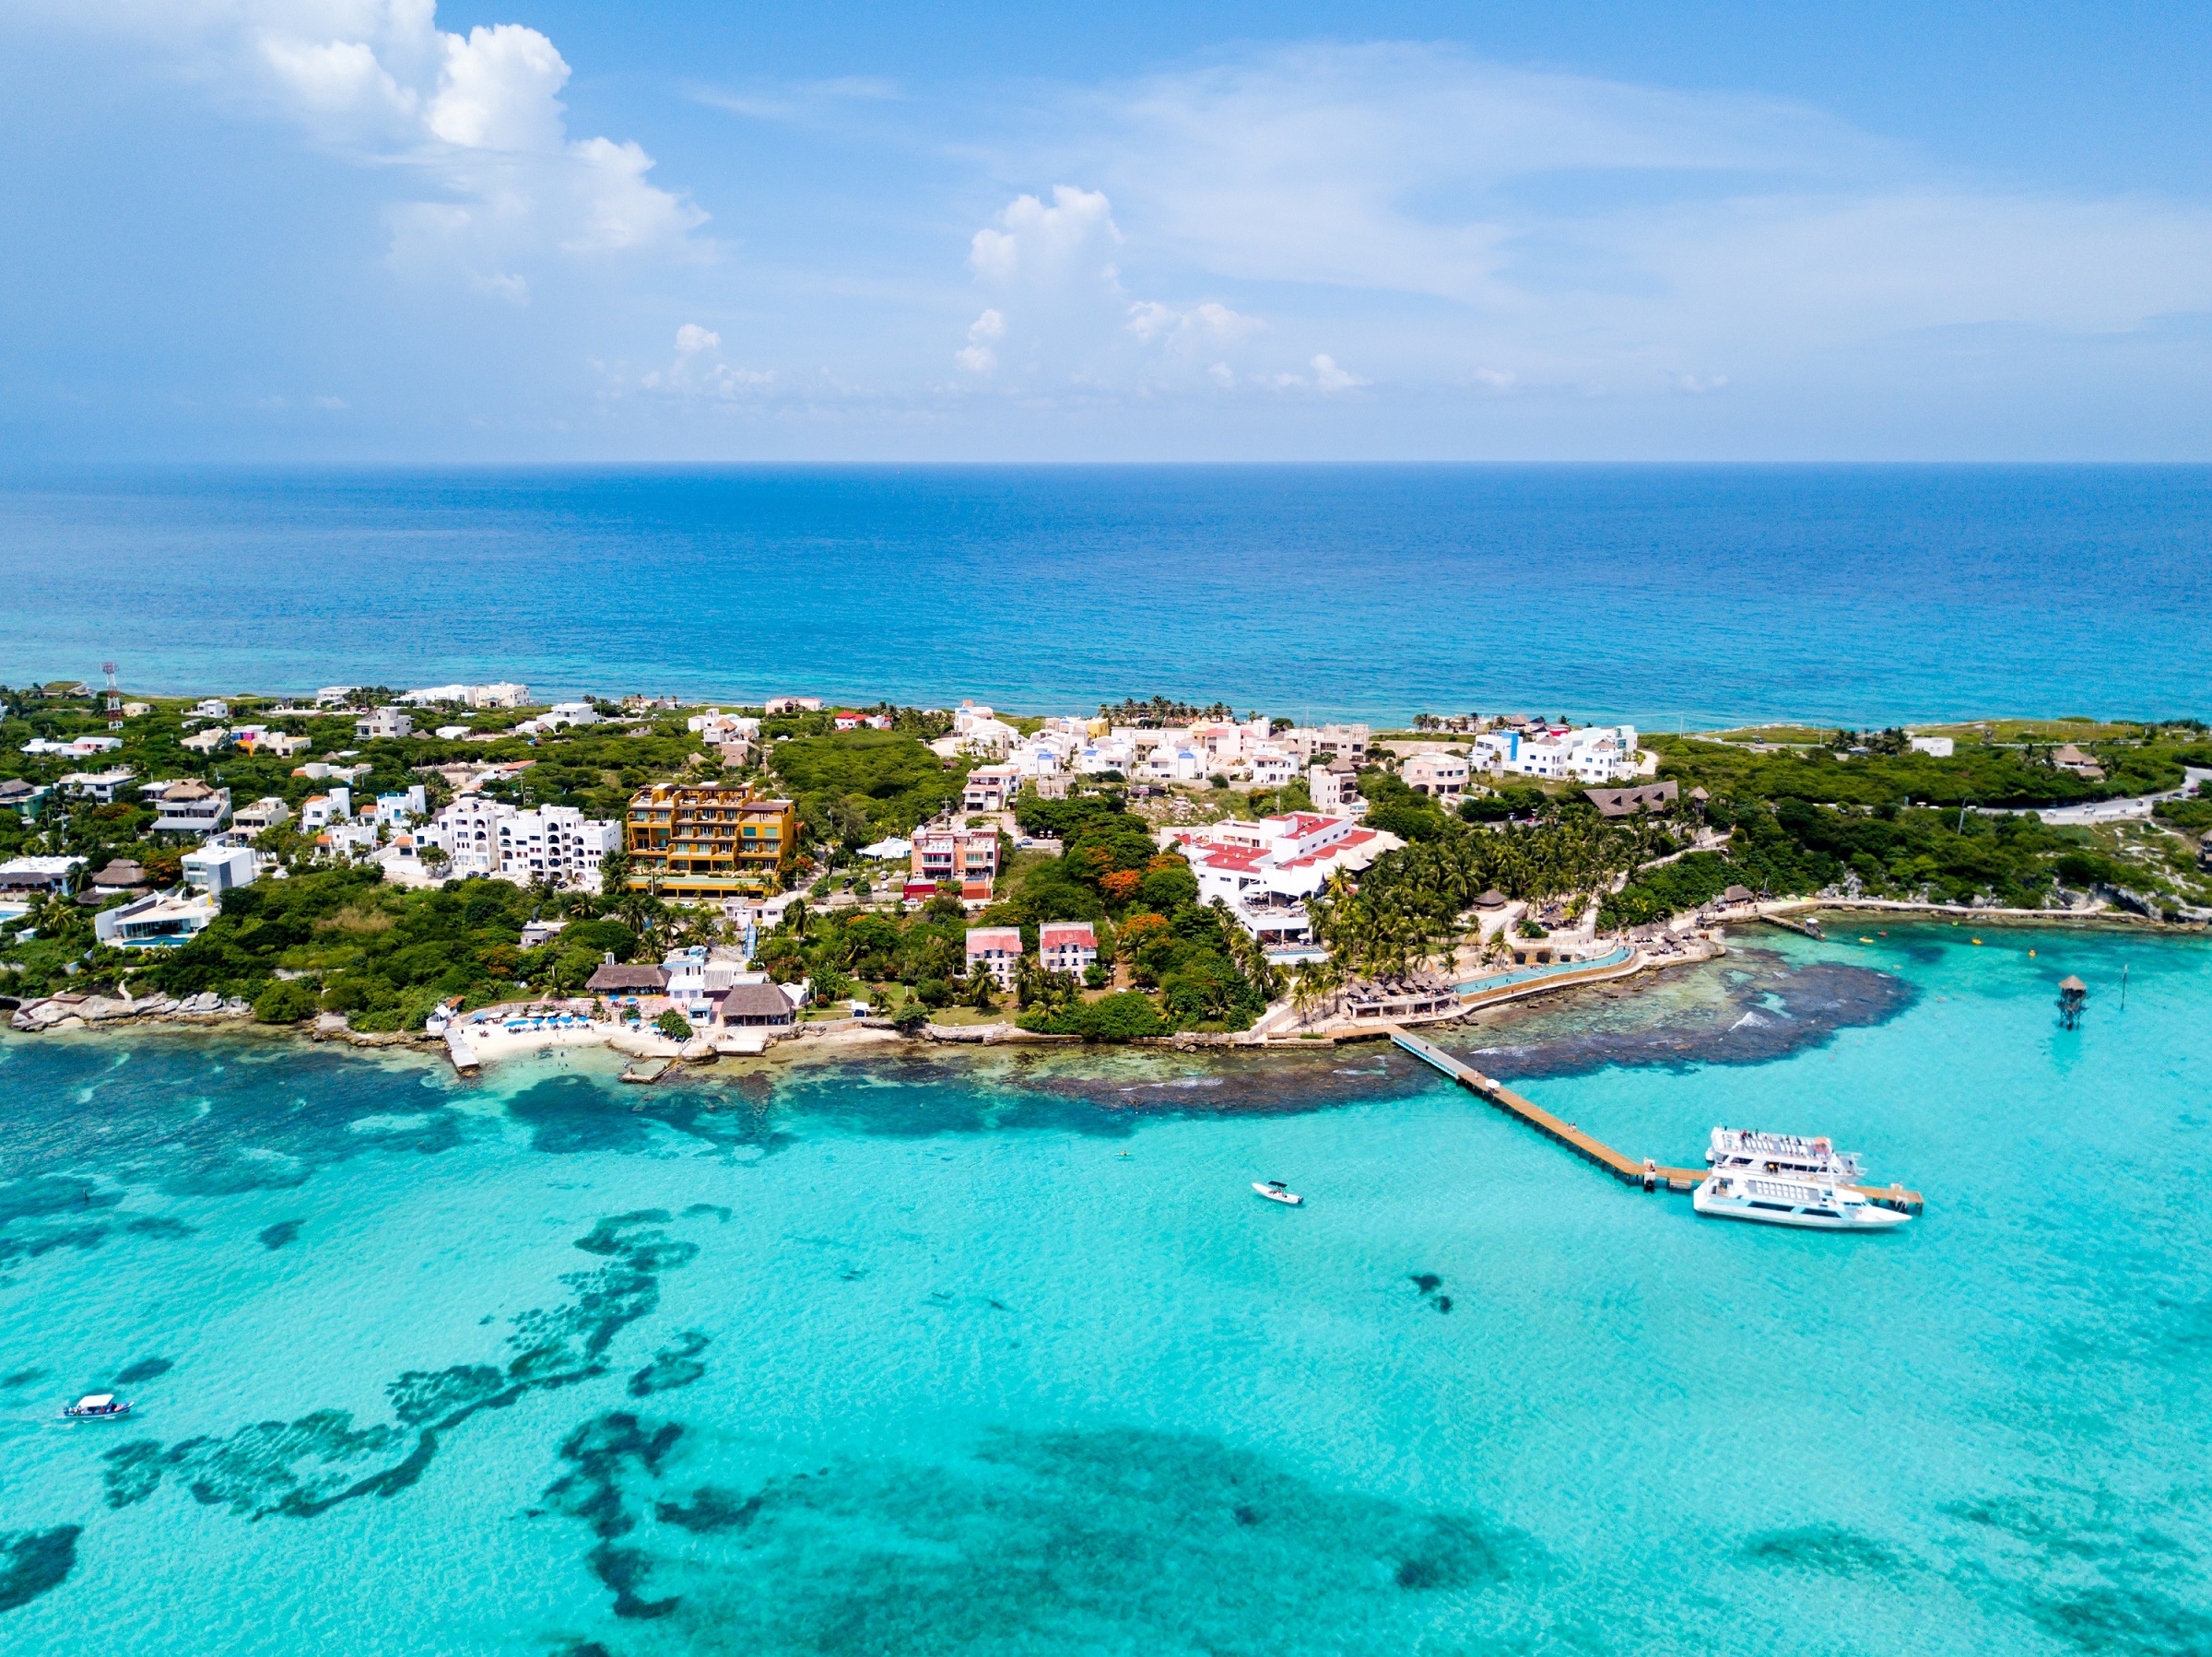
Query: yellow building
[{"x": 708, "y": 842}]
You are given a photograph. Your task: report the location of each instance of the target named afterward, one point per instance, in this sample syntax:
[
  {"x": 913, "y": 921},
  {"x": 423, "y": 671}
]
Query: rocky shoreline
[{"x": 87, "y": 1011}]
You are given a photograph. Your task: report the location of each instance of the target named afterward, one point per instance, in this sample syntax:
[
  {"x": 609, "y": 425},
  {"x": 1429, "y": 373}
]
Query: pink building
[
  {"x": 966, "y": 857},
  {"x": 1067, "y": 945},
  {"x": 996, "y": 949}
]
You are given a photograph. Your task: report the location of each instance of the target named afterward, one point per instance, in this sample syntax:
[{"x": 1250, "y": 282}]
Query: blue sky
[{"x": 367, "y": 230}]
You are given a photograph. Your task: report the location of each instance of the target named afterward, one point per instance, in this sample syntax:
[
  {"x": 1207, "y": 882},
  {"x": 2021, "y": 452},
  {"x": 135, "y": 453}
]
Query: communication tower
[{"x": 115, "y": 697}]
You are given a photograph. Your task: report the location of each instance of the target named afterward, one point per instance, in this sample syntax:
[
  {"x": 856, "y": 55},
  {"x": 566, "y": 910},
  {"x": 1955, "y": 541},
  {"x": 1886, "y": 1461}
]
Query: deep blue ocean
[{"x": 1703, "y": 595}]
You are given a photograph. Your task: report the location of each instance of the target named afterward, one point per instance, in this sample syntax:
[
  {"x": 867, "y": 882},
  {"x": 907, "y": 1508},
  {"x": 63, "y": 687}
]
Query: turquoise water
[
  {"x": 1001, "y": 1354},
  {"x": 1699, "y": 594},
  {"x": 1521, "y": 975}
]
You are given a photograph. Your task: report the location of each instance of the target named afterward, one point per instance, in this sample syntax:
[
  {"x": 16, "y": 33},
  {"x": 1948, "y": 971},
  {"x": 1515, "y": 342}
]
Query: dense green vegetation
[
  {"x": 1804, "y": 821},
  {"x": 337, "y": 939},
  {"x": 1416, "y": 900},
  {"x": 855, "y": 786},
  {"x": 2018, "y": 778},
  {"x": 1192, "y": 967},
  {"x": 383, "y": 956}
]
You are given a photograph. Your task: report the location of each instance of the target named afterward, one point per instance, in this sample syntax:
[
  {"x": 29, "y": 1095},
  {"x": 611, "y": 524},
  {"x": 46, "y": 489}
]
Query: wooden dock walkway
[{"x": 1649, "y": 1176}]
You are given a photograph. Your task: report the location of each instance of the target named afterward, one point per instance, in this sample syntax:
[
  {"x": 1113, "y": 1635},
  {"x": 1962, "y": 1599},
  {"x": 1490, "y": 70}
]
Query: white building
[
  {"x": 382, "y": 723},
  {"x": 103, "y": 786},
  {"x": 265, "y": 814},
  {"x": 217, "y": 868},
  {"x": 1103, "y": 754},
  {"x": 190, "y": 807},
  {"x": 1272, "y": 767},
  {"x": 556, "y": 843},
  {"x": 399, "y": 809},
  {"x": 717, "y": 726},
  {"x": 991, "y": 788},
  {"x": 1264, "y": 868},
  {"x": 793, "y": 704},
  {"x": 154, "y": 920},
  {"x": 1936, "y": 747},
  {"x": 1557, "y": 753},
  {"x": 468, "y": 832},
  {"x": 1440, "y": 775},
  {"x": 1334, "y": 787},
  {"x": 318, "y": 812},
  {"x": 1177, "y": 756},
  {"x": 213, "y": 708},
  {"x": 469, "y": 696},
  {"x": 76, "y": 748},
  {"x": 1046, "y": 753},
  {"x": 1308, "y": 742}
]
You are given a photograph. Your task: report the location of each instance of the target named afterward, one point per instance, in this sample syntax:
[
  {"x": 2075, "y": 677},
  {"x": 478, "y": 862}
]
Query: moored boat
[
  {"x": 1781, "y": 1154},
  {"x": 1273, "y": 1191},
  {"x": 97, "y": 1406},
  {"x": 1813, "y": 1205}
]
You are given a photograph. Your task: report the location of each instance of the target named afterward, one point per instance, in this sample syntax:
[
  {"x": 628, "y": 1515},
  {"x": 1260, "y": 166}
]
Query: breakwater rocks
[{"x": 69, "y": 1011}]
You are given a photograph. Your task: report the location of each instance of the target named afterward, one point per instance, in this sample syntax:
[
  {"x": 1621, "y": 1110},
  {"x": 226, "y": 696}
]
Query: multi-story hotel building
[
  {"x": 967, "y": 857},
  {"x": 710, "y": 840}
]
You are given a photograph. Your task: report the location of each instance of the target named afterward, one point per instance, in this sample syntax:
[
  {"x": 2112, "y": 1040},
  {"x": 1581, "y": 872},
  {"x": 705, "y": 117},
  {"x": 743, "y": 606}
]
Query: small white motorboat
[
  {"x": 1274, "y": 1191},
  {"x": 97, "y": 1406},
  {"x": 1730, "y": 1194}
]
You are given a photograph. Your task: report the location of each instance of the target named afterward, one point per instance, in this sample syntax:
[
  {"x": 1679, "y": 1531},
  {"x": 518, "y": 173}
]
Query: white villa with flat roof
[{"x": 1265, "y": 870}]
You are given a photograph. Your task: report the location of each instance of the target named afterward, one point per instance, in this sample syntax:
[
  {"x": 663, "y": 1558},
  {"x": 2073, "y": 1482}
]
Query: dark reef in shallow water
[
  {"x": 146, "y": 1368},
  {"x": 35, "y": 1562},
  {"x": 307, "y": 1466},
  {"x": 1828, "y": 1549},
  {"x": 1034, "y": 1540},
  {"x": 1750, "y": 1007},
  {"x": 675, "y": 1365},
  {"x": 2087, "y": 1570},
  {"x": 279, "y": 1234}
]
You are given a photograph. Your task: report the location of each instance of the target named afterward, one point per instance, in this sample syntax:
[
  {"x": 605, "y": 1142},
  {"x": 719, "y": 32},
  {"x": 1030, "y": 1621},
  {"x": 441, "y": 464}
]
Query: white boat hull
[{"x": 1810, "y": 1208}]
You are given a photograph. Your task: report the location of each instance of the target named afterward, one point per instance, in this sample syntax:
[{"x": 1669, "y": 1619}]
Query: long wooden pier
[{"x": 1646, "y": 1175}]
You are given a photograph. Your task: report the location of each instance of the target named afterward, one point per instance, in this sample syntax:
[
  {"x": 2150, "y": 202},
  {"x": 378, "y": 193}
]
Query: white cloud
[
  {"x": 1062, "y": 318},
  {"x": 1203, "y": 327},
  {"x": 1328, "y": 377},
  {"x": 698, "y": 371},
  {"x": 978, "y": 357},
  {"x": 1577, "y": 229},
  {"x": 806, "y": 102},
  {"x": 476, "y": 119},
  {"x": 1324, "y": 378},
  {"x": 1041, "y": 246}
]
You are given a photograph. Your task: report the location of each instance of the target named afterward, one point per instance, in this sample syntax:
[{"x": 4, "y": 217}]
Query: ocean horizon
[{"x": 1681, "y": 595}]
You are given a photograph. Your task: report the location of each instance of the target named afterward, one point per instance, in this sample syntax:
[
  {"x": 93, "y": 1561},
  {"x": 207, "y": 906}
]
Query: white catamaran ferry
[
  {"x": 1728, "y": 1193},
  {"x": 1781, "y": 1154}
]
